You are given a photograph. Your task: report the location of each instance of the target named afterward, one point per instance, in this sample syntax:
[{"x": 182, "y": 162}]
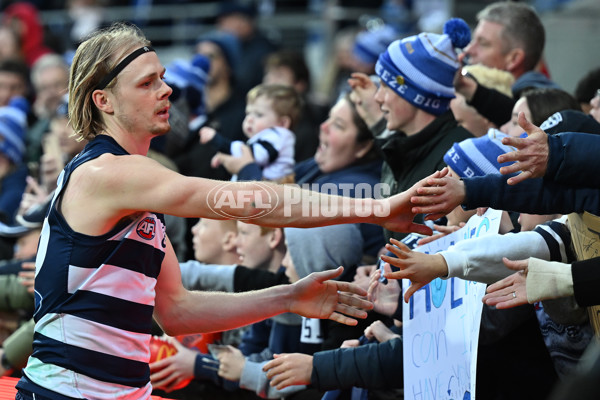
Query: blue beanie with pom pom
[{"x": 421, "y": 68}]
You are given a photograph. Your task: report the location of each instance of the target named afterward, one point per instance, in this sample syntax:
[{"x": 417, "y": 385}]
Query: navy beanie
[{"x": 227, "y": 42}]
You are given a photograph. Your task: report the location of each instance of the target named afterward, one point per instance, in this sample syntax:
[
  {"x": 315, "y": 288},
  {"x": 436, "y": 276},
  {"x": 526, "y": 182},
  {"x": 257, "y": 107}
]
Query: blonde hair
[
  {"x": 492, "y": 78},
  {"x": 93, "y": 60},
  {"x": 286, "y": 101}
]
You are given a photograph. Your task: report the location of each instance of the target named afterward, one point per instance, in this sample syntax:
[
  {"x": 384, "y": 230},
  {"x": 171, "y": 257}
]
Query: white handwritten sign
[{"x": 441, "y": 326}]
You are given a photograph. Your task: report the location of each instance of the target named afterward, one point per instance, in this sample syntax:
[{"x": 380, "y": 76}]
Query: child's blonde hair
[{"x": 286, "y": 101}]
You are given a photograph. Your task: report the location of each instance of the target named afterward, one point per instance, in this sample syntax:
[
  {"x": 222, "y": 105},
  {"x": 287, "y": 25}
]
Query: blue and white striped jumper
[{"x": 94, "y": 299}]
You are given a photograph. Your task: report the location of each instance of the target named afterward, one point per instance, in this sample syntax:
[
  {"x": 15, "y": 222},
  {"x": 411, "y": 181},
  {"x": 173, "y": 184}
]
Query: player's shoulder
[
  {"x": 109, "y": 161},
  {"x": 112, "y": 168}
]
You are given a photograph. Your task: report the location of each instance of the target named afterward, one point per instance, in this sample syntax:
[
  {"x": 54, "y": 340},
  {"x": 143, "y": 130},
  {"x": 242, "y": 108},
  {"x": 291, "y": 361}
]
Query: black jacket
[{"x": 408, "y": 159}]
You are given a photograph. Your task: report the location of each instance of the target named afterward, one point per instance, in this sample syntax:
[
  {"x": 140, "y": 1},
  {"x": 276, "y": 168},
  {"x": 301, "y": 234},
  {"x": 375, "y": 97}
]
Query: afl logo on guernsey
[{"x": 147, "y": 228}]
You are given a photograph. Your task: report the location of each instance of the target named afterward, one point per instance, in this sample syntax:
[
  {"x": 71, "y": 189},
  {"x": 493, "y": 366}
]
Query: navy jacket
[
  {"x": 573, "y": 159},
  {"x": 533, "y": 196},
  {"x": 374, "y": 365}
]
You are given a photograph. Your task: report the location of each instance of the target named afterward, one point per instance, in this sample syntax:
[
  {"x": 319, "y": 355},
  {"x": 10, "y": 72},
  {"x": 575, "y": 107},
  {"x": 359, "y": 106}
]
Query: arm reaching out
[
  {"x": 231, "y": 363},
  {"x": 443, "y": 230},
  {"x": 384, "y": 297},
  {"x": 380, "y": 332},
  {"x": 317, "y": 296},
  {"x": 289, "y": 369},
  {"x": 420, "y": 268},
  {"x": 510, "y": 291},
  {"x": 535, "y": 280},
  {"x": 363, "y": 275},
  {"x": 437, "y": 195},
  {"x": 531, "y": 156}
]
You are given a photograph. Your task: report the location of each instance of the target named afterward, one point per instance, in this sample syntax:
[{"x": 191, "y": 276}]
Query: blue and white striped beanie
[
  {"x": 478, "y": 156},
  {"x": 13, "y": 124},
  {"x": 421, "y": 68}
]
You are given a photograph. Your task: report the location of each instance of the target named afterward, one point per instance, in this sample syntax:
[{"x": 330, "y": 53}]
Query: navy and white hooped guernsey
[{"x": 94, "y": 299}]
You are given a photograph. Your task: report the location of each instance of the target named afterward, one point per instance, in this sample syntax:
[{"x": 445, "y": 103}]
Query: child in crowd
[
  {"x": 308, "y": 250},
  {"x": 271, "y": 111}
]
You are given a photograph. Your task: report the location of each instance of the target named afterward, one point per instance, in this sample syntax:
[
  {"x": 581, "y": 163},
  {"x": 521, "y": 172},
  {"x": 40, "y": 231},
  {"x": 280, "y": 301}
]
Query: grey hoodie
[{"x": 312, "y": 250}]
